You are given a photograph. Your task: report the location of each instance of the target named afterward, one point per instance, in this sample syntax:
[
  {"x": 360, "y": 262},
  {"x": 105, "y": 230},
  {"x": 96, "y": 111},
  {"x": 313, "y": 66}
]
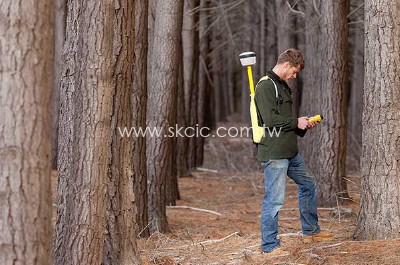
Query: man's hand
[
  {"x": 311, "y": 124},
  {"x": 302, "y": 123}
]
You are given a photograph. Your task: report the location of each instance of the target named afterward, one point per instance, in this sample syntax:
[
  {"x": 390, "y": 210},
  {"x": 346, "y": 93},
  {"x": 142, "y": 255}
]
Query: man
[{"x": 278, "y": 154}]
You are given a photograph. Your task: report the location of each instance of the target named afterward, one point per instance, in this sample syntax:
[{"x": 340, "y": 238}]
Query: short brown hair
[{"x": 292, "y": 56}]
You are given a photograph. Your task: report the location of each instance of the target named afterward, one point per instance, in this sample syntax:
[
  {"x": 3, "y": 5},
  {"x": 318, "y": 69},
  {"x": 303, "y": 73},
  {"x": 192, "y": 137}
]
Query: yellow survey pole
[
  {"x": 251, "y": 83},
  {"x": 248, "y": 59}
]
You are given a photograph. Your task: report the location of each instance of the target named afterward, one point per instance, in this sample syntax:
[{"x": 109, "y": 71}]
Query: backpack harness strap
[{"x": 266, "y": 78}]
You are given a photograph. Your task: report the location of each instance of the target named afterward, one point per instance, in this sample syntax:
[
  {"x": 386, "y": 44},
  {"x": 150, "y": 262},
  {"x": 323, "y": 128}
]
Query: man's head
[{"x": 289, "y": 64}]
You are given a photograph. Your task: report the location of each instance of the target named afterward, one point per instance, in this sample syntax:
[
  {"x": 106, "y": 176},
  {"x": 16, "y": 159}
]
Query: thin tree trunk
[
  {"x": 215, "y": 62},
  {"x": 262, "y": 60},
  {"x": 180, "y": 143},
  {"x": 356, "y": 31},
  {"x": 190, "y": 42},
  {"x": 162, "y": 107},
  {"x": 190, "y": 50},
  {"x": 254, "y": 34},
  {"x": 285, "y": 31},
  {"x": 229, "y": 87},
  {"x": 203, "y": 82},
  {"x": 245, "y": 98},
  {"x": 182, "y": 168},
  {"x": 272, "y": 49},
  {"x": 59, "y": 30},
  {"x": 379, "y": 216},
  {"x": 85, "y": 129},
  {"x": 193, "y": 117},
  {"x": 139, "y": 109},
  {"x": 26, "y": 50},
  {"x": 193, "y": 123}
]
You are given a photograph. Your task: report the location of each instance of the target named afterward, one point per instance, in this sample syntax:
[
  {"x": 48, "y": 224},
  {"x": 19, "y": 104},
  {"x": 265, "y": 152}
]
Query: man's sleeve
[
  {"x": 300, "y": 132},
  {"x": 267, "y": 106}
]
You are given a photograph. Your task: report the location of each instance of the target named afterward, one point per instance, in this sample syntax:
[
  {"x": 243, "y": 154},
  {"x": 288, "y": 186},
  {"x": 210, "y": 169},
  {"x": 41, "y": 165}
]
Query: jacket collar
[{"x": 276, "y": 78}]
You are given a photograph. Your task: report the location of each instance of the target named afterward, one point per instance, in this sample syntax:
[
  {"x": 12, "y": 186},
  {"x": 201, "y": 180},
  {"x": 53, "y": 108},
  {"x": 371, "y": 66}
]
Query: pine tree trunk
[
  {"x": 161, "y": 110},
  {"x": 229, "y": 89},
  {"x": 325, "y": 92},
  {"x": 190, "y": 43},
  {"x": 203, "y": 82},
  {"x": 120, "y": 236},
  {"x": 182, "y": 168},
  {"x": 356, "y": 31},
  {"x": 216, "y": 75},
  {"x": 26, "y": 71},
  {"x": 60, "y": 23},
  {"x": 285, "y": 31},
  {"x": 245, "y": 98},
  {"x": 151, "y": 20},
  {"x": 85, "y": 129},
  {"x": 272, "y": 49},
  {"x": 193, "y": 114},
  {"x": 139, "y": 108},
  {"x": 262, "y": 33},
  {"x": 379, "y": 216}
]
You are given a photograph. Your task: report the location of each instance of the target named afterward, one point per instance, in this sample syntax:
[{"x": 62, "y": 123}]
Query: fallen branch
[
  {"x": 206, "y": 170},
  {"x": 290, "y": 234},
  {"x": 323, "y": 247},
  {"x": 296, "y": 209},
  {"x": 194, "y": 209},
  {"x": 253, "y": 246},
  {"x": 286, "y": 263},
  {"x": 203, "y": 242},
  {"x": 215, "y": 240},
  {"x": 289, "y": 218}
]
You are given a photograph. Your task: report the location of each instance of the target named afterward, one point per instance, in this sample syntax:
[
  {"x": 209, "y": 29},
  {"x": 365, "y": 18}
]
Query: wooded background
[{"x": 74, "y": 71}]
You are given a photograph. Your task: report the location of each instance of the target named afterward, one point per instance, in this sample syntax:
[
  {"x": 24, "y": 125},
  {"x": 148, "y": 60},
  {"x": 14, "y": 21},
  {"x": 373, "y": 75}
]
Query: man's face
[{"x": 291, "y": 71}]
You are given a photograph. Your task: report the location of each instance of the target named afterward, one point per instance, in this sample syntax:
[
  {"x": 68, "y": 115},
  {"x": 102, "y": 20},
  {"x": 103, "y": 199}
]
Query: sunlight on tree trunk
[{"x": 26, "y": 70}]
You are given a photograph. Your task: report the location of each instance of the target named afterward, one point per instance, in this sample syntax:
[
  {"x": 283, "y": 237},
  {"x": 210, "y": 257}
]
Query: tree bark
[
  {"x": 181, "y": 142},
  {"x": 272, "y": 49},
  {"x": 229, "y": 88},
  {"x": 139, "y": 109},
  {"x": 245, "y": 98},
  {"x": 151, "y": 20},
  {"x": 190, "y": 49},
  {"x": 216, "y": 75},
  {"x": 356, "y": 31},
  {"x": 161, "y": 110},
  {"x": 59, "y": 30},
  {"x": 203, "y": 82},
  {"x": 262, "y": 34},
  {"x": 120, "y": 236},
  {"x": 325, "y": 92},
  {"x": 85, "y": 129},
  {"x": 26, "y": 71},
  {"x": 193, "y": 114},
  {"x": 379, "y": 216},
  {"x": 190, "y": 44},
  {"x": 286, "y": 38}
]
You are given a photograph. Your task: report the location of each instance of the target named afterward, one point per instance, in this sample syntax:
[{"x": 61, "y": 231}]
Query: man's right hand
[{"x": 302, "y": 123}]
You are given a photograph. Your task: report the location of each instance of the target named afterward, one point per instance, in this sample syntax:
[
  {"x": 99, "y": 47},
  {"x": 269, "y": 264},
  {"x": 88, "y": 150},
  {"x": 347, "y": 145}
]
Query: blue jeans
[{"x": 275, "y": 172}]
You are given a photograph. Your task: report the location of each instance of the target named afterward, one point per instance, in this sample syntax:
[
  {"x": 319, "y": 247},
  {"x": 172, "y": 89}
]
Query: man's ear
[{"x": 287, "y": 65}]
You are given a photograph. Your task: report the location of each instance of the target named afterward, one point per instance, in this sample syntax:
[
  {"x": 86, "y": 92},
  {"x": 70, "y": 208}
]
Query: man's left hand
[{"x": 311, "y": 125}]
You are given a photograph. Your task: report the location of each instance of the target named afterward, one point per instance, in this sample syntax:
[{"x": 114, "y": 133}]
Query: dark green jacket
[{"x": 277, "y": 115}]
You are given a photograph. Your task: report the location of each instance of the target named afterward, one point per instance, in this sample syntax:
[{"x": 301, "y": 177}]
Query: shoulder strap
[{"x": 268, "y": 78}]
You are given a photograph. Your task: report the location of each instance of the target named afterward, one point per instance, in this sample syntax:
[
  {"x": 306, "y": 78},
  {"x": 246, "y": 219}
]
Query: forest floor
[{"x": 230, "y": 184}]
